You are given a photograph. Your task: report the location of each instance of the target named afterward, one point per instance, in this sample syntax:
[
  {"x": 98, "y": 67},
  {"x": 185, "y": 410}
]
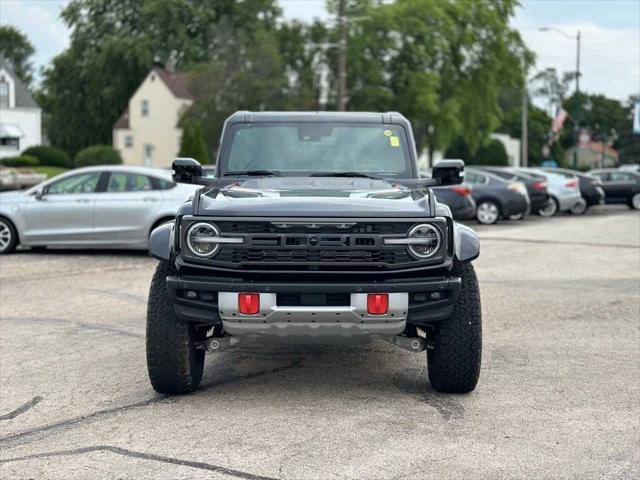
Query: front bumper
[{"x": 206, "y": 301}]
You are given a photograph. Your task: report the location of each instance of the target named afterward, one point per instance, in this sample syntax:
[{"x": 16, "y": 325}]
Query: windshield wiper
[
  {"x": 254, "y": 173},
  {"x": 344, "y": 174}
]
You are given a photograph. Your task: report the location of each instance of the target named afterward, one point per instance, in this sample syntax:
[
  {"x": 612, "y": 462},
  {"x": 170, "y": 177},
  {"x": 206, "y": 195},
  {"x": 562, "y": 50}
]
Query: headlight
[
  {"x": 202, "y": 239},
  {"x": 423, "y": 241}
]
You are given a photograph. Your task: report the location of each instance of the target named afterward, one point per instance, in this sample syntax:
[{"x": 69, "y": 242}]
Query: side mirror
[
  {"x": 39, "y": 194},
  {"x": 448, "y": 172},
  {"x": 184, "y": 169}
]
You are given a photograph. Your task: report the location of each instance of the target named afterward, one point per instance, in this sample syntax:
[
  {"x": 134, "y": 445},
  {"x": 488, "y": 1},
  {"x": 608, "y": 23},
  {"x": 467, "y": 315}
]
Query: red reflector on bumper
[
  {"x": 249, "y": 303},
  {"x": 377, "y": 303}
]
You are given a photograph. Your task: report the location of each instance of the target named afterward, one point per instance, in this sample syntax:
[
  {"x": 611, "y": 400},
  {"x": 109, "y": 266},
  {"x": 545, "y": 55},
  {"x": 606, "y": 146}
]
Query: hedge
[
  {"x": 50, "y": 156},
  {"x": 20, "y": 161},
  {"x": 97, "y": 155}
]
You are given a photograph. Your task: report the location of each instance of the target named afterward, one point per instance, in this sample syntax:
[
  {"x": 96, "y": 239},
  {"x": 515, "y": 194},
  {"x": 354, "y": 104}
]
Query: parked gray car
[{"x": 105, "y": 206}]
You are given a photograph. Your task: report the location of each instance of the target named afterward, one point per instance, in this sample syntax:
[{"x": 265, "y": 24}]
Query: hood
[
  {"x": 315, "y": 197},
  {"x": 11, "y": 197}
]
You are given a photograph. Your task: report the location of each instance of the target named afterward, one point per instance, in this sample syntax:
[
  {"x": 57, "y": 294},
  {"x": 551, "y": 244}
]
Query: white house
[
  {"x": 20, "y": 115},
  {"x": 147, "y": 133}
]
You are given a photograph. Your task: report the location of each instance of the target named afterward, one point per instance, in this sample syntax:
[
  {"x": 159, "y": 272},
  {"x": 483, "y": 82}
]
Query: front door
[
  {"x": 63, "y": 213},
  {"x": 125, "y": 211}
]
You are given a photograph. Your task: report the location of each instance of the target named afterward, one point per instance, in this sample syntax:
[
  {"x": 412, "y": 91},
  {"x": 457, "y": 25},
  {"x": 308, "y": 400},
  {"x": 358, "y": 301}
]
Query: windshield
[{"x": 317, "y": 149}]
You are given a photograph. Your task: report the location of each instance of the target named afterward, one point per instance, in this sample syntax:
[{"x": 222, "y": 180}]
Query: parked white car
[{"x": 103, "y": 206}]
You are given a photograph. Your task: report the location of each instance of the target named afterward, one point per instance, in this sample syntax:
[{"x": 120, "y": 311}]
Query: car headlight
[
  {"x": 423, "y": 241},
  {"x": 203, "y": 239}
]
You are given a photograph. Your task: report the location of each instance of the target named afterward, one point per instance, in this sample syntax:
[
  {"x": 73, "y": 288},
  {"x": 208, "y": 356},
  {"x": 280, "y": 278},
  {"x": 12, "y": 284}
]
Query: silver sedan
[{"x": 105, "y": 206}]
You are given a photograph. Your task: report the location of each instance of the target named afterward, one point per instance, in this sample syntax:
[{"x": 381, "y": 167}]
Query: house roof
[
  {"x": 177, "y": 84},
  {"x": 24, "y": 98},
  {"x": 123, "y": 121}
]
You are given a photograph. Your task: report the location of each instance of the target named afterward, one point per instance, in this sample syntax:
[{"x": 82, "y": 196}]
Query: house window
[
  {"x": 148, "y": 154},
  {"x": 128, "y": 141},
  {"x": 10, "y": 143},
  {"x": 145, "y": 108},
  {"x": 4, "y": 93}
]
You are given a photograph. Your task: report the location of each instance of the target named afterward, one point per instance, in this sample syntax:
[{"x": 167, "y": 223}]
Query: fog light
[
  {"x": 249, "y": 303},
  {"x": 191, "y": 294},
  {"x": 377, "y": 303}
]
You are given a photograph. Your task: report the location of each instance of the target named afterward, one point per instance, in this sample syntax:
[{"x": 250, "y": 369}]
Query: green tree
[
  {"x": 441, "y": 64},
  {"x": 193, "y": 144},
  {"x": 15, "y": 47},
  {"x": 247, "y": 74},
  {"x": 88, "y": 86}
]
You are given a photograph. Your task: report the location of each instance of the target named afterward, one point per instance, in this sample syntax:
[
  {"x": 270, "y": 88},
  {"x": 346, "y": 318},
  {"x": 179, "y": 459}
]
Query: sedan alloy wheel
[{"x": 487, "y": 213}]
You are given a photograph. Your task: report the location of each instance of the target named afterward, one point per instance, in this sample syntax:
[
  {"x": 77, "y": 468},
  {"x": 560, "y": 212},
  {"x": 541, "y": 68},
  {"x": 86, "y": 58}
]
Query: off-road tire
[
  {"x": 174, "y": 364},
  {"x": 454, "y": 361}
]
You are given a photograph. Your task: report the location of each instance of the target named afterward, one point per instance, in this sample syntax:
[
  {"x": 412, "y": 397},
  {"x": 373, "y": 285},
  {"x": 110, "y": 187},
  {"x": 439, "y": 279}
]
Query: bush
[
  {"x": 492, "y": 153},
  {"x": 50, "y": 156},
  {"x": 20, "y": 161},
  {"x": 97, "y": 155}
]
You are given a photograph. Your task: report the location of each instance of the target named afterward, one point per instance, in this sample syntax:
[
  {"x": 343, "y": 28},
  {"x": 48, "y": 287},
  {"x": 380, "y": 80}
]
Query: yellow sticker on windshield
[
  {"x": 394, "y": 141},
  {"x": 388, "y": 133}
]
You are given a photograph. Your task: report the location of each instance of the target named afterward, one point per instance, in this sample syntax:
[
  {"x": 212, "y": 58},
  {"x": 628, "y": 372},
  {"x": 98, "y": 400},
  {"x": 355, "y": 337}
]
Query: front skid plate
[{"x": 313, "y": 321}]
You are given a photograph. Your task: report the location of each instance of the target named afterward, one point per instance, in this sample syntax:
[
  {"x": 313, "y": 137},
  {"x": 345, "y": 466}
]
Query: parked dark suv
[{"x": 315, "y": 225}]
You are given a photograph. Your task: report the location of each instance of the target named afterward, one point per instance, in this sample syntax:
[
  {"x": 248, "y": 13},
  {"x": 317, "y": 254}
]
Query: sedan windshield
[{"x": 317, "y": 149}]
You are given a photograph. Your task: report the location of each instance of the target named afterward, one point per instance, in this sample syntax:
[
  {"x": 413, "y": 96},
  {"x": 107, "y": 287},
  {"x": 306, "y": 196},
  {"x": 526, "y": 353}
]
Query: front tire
[
  {"x": 454, "y": 361},
  {"x": 550, "y": 209},
  {"x": 8, "y": 236},
  {"x": 173, "y": 362}
]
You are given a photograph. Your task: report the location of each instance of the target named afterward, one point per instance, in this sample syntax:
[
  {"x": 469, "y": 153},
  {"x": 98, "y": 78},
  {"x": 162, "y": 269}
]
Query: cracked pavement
[{"x": 559, "y": 393}]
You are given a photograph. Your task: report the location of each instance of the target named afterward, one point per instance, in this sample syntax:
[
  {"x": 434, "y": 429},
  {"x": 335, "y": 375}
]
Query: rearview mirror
[
  {"x": 448, "y": 172},
  {"x": 184, "y": 169}
]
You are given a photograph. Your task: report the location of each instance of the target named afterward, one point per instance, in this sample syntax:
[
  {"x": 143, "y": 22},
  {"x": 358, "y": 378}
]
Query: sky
[{"x": 610, "y": 35}]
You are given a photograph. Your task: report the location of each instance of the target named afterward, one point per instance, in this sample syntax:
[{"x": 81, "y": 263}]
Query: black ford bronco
[{"x": 315, "y": 224}]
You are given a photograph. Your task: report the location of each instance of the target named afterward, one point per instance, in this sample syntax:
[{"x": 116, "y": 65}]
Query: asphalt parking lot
[{"x": 559, "y": 393}]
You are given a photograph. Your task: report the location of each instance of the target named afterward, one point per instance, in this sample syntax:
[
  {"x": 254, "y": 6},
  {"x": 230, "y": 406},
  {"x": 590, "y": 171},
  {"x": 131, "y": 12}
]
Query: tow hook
[
  {"x": 412, "y": 344},
  {"x": 217, "y": 344}
]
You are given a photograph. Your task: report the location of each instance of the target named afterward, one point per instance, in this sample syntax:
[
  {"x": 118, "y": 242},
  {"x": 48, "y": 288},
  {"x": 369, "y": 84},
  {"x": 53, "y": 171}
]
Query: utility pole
[
  {"x": 524, "y": 140},
  {"x": 342, "y": 55},
  {"x": 576, "y": 106},
  {"x": 576, "y": 114}
]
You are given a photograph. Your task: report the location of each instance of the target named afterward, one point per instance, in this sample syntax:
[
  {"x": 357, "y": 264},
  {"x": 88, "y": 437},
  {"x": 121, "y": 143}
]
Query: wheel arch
[
  {"x": 466, "y": 243},
  {"x": 6, "y": 217},
  {"x": 161, "y": 241}
]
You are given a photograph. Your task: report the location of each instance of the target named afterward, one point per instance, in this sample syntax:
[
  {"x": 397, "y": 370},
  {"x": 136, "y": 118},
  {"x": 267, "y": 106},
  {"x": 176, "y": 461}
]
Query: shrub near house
[
  {"x": 97, "y": 155},
  {"x": 50, "y": 156},
  {"x": 20, "y": 161}
]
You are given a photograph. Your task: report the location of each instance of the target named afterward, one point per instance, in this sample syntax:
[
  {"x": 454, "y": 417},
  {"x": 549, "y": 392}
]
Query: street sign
[{"x": 636, "y": 118}]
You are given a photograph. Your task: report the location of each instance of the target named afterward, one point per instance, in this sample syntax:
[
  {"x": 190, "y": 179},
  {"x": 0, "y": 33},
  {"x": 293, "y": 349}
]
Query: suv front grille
[{"x": 291, "y": 256}]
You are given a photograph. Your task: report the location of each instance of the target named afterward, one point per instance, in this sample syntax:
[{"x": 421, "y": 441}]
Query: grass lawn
[{"x": 50, "y": 171}]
